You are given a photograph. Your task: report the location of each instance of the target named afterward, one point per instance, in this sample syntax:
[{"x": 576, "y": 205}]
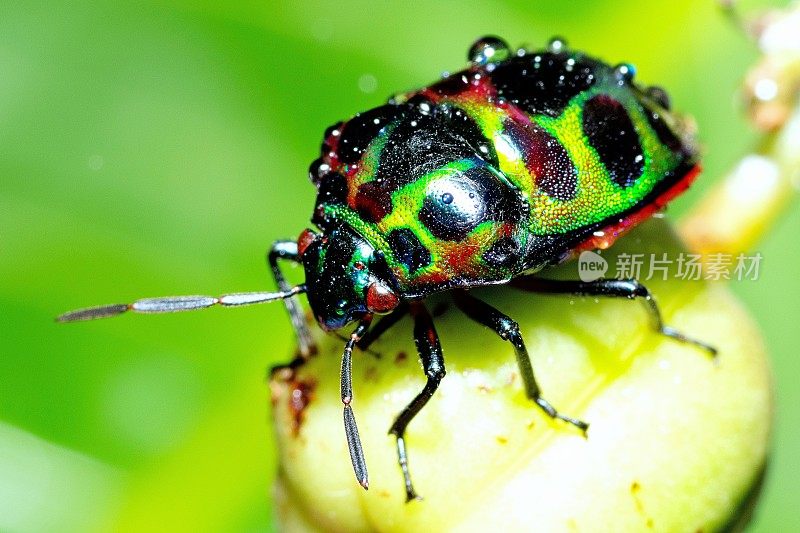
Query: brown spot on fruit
[{"x": 301, "y": 393}]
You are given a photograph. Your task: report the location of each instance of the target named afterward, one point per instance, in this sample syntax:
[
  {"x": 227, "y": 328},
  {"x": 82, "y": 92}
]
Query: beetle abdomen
[{"x": 500, "y": 168}]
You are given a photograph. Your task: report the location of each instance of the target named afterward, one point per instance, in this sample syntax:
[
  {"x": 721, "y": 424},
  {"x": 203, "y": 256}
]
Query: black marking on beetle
[
  {"x": 611, "y": 133},
  {"x": 332, "y": 189},
  {"x": 546, "y": 159},
  {"x": 420, "y": 143},
  {"x": 544, "y": 86},
  {"x": 504, "y": 253},
  {"x": 408, "y": 249},
  {"x": 663, "y": 131},
  {"x": 461, "y": 125},
  {"x": 358, "y": 132},
  {"x": 422, "y": 138}
]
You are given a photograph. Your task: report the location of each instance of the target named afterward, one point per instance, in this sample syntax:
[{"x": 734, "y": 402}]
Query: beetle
[{"x": 486, "y": 177}]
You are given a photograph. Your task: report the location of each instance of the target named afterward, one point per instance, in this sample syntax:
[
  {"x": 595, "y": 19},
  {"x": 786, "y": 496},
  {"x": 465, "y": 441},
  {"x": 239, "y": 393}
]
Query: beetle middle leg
[
  {"x": 616, "y": 288},
  {"x": 430, "y": 351},
  {"x": 507, "y": 329}
]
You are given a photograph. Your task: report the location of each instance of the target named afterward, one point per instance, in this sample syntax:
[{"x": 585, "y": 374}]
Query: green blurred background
[{"x": 158, "y": 148}]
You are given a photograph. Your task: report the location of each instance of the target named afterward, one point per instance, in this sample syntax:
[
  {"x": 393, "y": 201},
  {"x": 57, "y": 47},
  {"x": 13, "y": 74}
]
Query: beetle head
[{"x": 346, "y": 278}]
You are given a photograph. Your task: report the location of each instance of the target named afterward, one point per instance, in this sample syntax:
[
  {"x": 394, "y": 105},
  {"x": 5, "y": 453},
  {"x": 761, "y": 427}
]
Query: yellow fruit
[{"x": 675, "y": 443}]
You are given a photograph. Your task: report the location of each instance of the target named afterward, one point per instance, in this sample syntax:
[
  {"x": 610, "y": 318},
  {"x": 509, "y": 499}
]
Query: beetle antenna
[
  {"x": 173, "y": 304},
  {"x": 350, "y": 428}
]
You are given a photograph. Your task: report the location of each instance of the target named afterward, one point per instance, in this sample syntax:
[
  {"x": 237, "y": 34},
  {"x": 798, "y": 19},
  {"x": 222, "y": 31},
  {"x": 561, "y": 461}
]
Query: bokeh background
[{"x": 157, "y": 148}]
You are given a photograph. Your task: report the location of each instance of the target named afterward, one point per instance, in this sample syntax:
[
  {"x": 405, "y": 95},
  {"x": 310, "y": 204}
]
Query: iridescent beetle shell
[{"x": 503, "y": 168}]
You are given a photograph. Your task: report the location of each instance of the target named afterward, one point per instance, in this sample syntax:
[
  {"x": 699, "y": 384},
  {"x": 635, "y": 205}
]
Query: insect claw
[
  {"x": 413, "y": 496},
  {"x": 678, "y": 336}
]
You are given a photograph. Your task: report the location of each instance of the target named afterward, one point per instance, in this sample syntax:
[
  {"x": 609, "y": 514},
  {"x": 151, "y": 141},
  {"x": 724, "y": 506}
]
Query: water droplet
[
  {"x": 317, "y": 170},
  {"x": 625, "y": 72},
  {"x": 333, "y": 130},
  {"x": 447, "y": 198},
  {"x": 557, "y": 45},
  {"x": 488, "y": 49},
  {"x": 96, "y": 162},
  {"x": 367, "y": 83}
]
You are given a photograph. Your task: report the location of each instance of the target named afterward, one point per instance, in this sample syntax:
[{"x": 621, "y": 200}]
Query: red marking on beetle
[
  {"x": 380, "y": 298},
  {"x": 545, "y": 158},
  {"x": 400, "y": 357},
  {"x": 612, "y": 232},
  {"x": 473, "y": 85},
  {"x": 373, "y": 200},
  {"x": 514, "y": 113}
]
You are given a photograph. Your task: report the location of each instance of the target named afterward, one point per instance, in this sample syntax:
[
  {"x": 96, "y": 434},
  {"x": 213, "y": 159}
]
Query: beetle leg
[
  {"x": 382, "y": 326},
  {"x": 430, "y": 351},
  {"x": 287, "y": 250},
  {"x": 508, "y": 330},
  {"x": 616, "y": 288}
]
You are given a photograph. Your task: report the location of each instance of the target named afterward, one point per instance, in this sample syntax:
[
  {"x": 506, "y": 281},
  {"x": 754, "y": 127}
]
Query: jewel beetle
[{"x": 488, "y": 176}]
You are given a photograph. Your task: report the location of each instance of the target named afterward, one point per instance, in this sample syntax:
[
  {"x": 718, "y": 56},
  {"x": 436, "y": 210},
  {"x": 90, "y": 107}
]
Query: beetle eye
[{"x": 380, "y": 298}]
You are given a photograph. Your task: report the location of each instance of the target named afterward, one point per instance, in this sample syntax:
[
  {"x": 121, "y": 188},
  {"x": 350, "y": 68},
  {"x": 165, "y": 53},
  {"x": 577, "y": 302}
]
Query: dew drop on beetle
[
  {"x": 557, "y": 45},
  {"x": 625, "y": 72},
  {"x": 488, "y": 50}
]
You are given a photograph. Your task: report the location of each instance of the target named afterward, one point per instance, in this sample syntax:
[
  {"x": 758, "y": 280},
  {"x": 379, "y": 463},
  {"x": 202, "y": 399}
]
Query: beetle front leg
[
  {"x": 508, "y": 330},
  {"x": 430, "y": 351},
  {"x": 615, "y": 288},
  {"x": 287, "y": 250}
]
